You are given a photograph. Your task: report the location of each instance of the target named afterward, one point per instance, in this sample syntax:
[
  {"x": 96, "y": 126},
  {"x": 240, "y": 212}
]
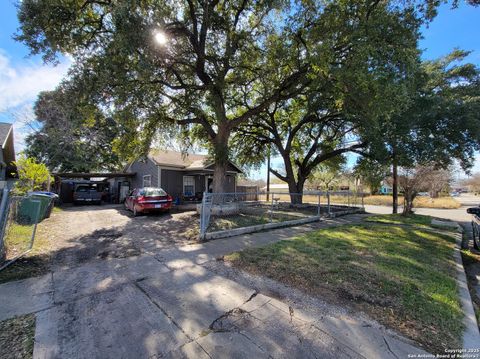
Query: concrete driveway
[{"x": 171, "y": 298}]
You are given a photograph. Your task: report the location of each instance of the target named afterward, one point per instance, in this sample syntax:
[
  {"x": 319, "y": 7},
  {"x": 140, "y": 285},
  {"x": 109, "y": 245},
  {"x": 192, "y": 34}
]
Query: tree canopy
[
  {"x": 211, "y": 66},
  {"x": 440, "y": 125},
  {"x": 205, "y": 77},
  {"x": 73, "y": 135}
]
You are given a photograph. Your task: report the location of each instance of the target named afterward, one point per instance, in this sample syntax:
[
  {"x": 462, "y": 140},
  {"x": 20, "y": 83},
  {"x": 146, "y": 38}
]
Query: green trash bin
[
  {"x": 27, "y": 210},
  {"x": 45, "y": 204}
]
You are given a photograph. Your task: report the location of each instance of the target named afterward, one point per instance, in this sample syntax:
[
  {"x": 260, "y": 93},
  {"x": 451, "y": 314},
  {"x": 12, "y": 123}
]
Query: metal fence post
[
  {"x": 3, "y": 222},
  {"x": 271, "y": 211},
  {"x": 319, "y": 208},
  {"x": 202, "y": 216},
  {"x": 328, "y": 202}
]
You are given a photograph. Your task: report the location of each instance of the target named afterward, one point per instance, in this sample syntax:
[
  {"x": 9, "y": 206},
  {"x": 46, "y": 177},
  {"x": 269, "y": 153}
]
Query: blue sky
[{"x": 23, "y": 77}]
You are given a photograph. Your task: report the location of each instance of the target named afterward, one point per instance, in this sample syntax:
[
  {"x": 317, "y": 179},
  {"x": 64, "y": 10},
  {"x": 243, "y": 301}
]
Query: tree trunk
[
  {"x": 268, "y": 176},
  {"x": 395, "y": 187},
  {"x": 296, "y": 191},
  {"x": 408, "y": 203},
  {"x": 221, "y": 159}
]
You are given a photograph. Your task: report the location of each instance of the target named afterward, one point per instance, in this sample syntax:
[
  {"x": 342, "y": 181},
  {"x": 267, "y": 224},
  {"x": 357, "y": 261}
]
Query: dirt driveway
[
  {"x": 84, "y": 233},
  {"x": 177, "y": 300}
]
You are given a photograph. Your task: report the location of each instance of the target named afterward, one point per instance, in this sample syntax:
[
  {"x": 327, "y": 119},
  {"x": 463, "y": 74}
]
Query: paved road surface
[{"x": 459, "y": 214}]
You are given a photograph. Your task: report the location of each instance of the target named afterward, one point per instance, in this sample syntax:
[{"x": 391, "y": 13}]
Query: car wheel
[{"x": 125, "y": 206}]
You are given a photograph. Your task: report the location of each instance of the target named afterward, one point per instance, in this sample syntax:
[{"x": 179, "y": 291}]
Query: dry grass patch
[
  {"x": 402, "y": 276},
  {"x": 420, "y": 202}
]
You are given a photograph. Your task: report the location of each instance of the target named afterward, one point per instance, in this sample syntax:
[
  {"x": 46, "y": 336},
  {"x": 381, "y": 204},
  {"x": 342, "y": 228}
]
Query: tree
[
  {"x": 473, "y": 182},
  {"x": 439, "y": 181},
  {"x": 154, "y": 65},
  {"x": 73, "y": 135},
  {"x": 358, "y": 78},
  {"x": 441, "y": 123},
  {"x": 421, "y": 178},
  {"x": 32, "y": 176},
  {"x": 327, "y": 173},
  {"x": 372, "y": 173}
]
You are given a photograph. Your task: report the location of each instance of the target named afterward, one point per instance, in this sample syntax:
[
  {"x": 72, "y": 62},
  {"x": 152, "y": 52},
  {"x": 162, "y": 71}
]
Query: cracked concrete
[{"x": 176, "y": 303}]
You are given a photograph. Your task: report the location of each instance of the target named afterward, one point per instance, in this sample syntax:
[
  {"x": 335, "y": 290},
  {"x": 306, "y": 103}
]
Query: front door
[{"x": 209, "y": 184}]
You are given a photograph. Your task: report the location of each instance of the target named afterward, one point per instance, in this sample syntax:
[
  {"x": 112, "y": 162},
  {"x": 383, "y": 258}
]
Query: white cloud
[
  {"x": 19, "y": 87},
  {"x": 21, "y": 84}
]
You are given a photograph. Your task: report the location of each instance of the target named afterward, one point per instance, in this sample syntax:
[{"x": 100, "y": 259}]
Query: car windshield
[
  {"x": 85, "y": 189},
  {"x": 151, "y": 192}
]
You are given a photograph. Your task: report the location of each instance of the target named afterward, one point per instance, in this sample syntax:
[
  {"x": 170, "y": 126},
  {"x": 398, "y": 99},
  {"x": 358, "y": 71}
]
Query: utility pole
[{"x": 268, "y": 175}]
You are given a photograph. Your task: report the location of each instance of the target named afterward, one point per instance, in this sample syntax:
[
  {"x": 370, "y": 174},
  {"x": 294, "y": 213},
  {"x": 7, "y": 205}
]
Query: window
[
  {"x": 153, "y": 192},
  {"x": 188, "y": 185},
  {"x": 147, "y": 181}
]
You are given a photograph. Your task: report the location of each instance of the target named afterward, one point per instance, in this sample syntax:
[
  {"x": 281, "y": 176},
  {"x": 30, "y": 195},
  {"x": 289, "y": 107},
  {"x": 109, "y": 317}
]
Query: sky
[{"x": 22, "y": 76}]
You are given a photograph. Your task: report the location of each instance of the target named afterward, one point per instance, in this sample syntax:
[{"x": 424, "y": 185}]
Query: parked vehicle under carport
[
  {"x": 148, "y": 199},
  {"x": 86, "y": 193}
]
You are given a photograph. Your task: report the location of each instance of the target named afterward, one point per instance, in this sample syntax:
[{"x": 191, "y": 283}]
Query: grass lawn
[
  {"x": 17, "y": 337},
  {"x": 34, "y": 263},
  {"x": 402, "y": 276}
]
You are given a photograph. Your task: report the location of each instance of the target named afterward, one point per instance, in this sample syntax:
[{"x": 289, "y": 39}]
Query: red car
[{"x": 148, "y": 199}]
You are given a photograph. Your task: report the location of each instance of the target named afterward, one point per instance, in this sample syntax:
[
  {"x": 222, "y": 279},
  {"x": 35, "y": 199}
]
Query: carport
[{"x": 115, "y": 184}]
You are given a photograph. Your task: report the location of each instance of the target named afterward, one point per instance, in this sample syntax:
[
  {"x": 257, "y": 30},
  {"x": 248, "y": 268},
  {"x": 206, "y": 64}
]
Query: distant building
[
  {"x": 277, "y": 187},
  {"x": 385, "y": 188}
]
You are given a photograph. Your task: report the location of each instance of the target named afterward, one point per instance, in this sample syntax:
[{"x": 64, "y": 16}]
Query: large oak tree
[{"x": 157, "y": 64}]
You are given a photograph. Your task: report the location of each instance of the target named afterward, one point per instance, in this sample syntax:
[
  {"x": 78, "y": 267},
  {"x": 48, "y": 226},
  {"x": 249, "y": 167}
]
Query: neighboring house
[
  {"x": 7, "y": 154},
  {"x": 385, "y": 188},
  {"x": 277, "y": 187},
  {"x": 185, "y": 176}
]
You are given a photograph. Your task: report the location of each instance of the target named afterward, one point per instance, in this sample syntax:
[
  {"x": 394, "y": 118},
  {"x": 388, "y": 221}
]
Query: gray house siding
[
  {"x": 200, "y": 183},
  {"x": 172, "y": 179},
  {"x": 3, "y": 167},
  {"x": 172, "y": 182},
  {"x": 142, "y": 169}
]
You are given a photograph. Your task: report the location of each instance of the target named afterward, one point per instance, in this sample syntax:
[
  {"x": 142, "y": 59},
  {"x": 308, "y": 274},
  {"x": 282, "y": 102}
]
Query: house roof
[
  {"x": 5, "y": 129},
  {"x": 186, "y": 161}
]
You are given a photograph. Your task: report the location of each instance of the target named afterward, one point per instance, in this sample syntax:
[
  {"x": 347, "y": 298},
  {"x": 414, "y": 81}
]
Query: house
[
  {"x": 184, "y": 176},
  {"x": 385, "y": 188},
  {"x": 277, "y": 187},
  {"x": 7, "y": 155}
]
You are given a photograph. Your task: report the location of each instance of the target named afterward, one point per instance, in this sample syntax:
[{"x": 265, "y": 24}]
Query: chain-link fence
[
  {"x": 18, "y": 226},
  {"x": 224, "y": 214}
]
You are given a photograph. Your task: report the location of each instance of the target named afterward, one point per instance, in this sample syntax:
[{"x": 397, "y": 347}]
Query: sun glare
[{"x": 161, "y": 38}]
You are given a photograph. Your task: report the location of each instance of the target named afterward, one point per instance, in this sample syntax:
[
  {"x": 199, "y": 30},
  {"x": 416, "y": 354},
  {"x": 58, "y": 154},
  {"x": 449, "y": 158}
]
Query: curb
[{"x": 471, "y": 334}]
